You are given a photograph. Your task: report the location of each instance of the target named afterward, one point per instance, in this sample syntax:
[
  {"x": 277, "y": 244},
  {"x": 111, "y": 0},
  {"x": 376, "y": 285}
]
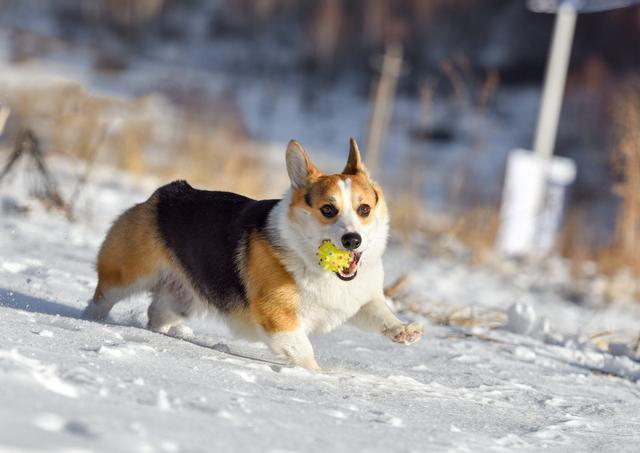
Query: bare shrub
[
  {"x": 626, "y": 160},
  {"x": 473, "y": 94},
  {"x": 619, "y": 260}
]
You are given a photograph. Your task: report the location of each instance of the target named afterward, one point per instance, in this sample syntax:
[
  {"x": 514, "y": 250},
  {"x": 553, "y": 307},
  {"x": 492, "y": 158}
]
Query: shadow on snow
[{"x": 20, "y": 301}]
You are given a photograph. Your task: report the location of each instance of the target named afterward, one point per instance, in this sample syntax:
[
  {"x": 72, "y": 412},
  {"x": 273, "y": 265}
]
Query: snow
[
  {"x": 67, "y": 384},
  {"x": 522, "y": 319}
]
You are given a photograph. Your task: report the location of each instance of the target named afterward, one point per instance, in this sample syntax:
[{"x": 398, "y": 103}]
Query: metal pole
[{"x": 555, "y": 79}]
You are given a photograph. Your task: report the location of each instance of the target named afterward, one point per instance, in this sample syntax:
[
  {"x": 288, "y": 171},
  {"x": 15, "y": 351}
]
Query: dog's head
[{"x": 346, "y": 208}]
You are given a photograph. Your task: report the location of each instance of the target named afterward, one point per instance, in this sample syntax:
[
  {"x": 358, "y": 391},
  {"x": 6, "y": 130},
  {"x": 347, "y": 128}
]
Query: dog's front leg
[
  {"x": 273, "y": 304},
  {"x": 376, "y": 316},
  {"x": 295, "y": 347}
]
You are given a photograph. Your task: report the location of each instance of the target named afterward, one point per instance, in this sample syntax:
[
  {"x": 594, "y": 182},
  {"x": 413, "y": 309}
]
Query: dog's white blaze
[
  {"x": 349, "y": 221},
  {"x": 345, "y": 189}
]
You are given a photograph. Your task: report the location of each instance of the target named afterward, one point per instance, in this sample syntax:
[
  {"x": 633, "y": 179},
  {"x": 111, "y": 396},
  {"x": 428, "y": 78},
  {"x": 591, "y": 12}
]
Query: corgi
[{"x": 254, "y": 262}]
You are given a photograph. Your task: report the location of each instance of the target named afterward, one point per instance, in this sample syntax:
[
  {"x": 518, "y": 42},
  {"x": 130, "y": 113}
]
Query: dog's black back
[{"x": 205, "y": 229}]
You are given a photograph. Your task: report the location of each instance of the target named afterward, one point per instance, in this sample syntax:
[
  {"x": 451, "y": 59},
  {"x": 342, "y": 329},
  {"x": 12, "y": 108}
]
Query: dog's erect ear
[
  {"x": 354, "y": 162},
  {"x": 301, "y": 170}
]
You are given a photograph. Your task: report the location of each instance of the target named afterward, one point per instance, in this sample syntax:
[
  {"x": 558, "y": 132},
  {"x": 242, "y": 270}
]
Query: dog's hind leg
[
  {"x": 111, "y": 291},
  {"x": 162, "y": 316},
  {"x": 102, "y": 302},
  {"x": 172, "y": 303},
  {"x": 130, "y": 259}
]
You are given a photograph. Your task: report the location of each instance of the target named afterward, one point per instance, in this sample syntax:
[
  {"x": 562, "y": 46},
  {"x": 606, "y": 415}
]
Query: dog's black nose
[{"x": 351, "y": 241}]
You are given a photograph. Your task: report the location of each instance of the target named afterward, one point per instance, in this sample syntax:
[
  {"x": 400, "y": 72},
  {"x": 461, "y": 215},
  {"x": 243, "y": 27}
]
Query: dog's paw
[
  {"x": 405, "y": 333},
  {"x": 181, "y": 331},
  {"x": 310, "y": 364}
]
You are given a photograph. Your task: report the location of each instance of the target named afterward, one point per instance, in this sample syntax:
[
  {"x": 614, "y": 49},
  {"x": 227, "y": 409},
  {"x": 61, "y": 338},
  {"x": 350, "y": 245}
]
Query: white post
[
  {"x": 555, "y": 79},
  {"x": 536, "y": 182}
]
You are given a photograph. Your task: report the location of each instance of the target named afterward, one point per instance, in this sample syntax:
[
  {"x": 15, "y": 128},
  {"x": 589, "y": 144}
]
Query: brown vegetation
[
  {"x": 626, "y": 115},
  {"x": 143, "y": 136}
]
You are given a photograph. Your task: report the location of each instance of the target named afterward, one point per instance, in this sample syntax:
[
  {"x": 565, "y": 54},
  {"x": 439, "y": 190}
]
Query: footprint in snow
[
  {"x": 382, "y": 417},
  {"x": 133, "y": 338},
  {"x": 82, "y": 376},
  {"x": 12, "y": 267},
  {"x": 63, "y": 324},
  {"x": 247, "y": 377},
  {"x": 524, "y": 354},
  {"x": 120, "y": 350},
  {"x": 336, "y": 414},
  {"x": 46, "y": 375},
  {"x": 55, "y": 423},
  {"x": 557, "y": 431},
  {"x": 221, "y": 347},
  {"x": 43, "y": 333},
  {"x": 466, "y": 358}
]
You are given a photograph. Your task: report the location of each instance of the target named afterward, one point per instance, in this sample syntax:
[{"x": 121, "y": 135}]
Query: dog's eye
[
  {"x": 329, "y": 211},
  {"x": 364, "y": 210}
]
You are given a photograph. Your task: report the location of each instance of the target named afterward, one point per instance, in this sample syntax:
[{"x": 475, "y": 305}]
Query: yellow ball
[{"x": 332, "y": 258}]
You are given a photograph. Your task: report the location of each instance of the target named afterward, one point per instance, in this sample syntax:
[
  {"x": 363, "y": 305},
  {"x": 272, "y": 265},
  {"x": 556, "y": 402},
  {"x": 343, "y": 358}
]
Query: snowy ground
[{"x": 67, "y": 384}]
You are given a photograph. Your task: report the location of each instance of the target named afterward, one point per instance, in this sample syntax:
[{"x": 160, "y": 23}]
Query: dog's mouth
[{"x": 349, "y": 272}]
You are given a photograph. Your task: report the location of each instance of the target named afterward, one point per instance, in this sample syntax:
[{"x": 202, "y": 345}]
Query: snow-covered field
[{"x": 67, "y": 384}]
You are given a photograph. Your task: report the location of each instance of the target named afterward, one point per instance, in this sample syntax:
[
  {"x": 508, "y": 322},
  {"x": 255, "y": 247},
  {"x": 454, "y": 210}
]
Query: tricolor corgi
[{"x": 254, "y": 262}]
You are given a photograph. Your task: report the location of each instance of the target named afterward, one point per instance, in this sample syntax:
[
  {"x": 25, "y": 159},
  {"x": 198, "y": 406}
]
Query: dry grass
[
  {"x": 477, "y": 229},
  {"x": 142, "y": 136},
  {"x": 220, "y": 157},
  {"x": 477, "y": 226},
  {"x": 408, "y": 215},
  {"x": 473, "y": 94},
  {"x": 626, "y": 117},
  {"x": 123, "y": 13},
  {"x": 396, "y": 285},
  {"x": 579, "y": 243},
  {"x": 459, "y": 316},
  {"x": 619, "y": 260}
]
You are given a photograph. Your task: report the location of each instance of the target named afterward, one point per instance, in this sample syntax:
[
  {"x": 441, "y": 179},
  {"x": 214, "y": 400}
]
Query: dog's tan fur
[
  {"x": 131, "y": 250},
  {"x": 271, "y": 290}
]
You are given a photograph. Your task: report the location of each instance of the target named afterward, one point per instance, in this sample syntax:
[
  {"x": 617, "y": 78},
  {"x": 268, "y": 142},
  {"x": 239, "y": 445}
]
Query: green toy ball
[{"x": 333, "y": 259}]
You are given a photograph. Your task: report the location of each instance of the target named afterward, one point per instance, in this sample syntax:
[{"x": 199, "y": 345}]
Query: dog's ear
[
  {"x": 354, "y": 162},
  {"x": 300, "y": 168}
]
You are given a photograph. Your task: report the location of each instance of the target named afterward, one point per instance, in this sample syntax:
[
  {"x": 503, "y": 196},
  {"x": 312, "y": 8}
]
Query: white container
[{"x": 533, "y": 202}]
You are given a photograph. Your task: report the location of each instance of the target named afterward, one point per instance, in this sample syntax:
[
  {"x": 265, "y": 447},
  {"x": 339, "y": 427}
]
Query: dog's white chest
[{"x": 325, "y": 303}]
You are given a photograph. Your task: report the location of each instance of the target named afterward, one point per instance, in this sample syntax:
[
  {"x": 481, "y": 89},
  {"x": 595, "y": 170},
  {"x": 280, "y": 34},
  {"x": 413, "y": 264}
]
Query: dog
[{"x": 254, "y": 262}]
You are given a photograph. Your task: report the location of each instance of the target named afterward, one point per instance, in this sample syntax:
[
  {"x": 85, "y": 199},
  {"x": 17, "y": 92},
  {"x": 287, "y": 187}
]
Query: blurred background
[{"x": 437, "y": 92}]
